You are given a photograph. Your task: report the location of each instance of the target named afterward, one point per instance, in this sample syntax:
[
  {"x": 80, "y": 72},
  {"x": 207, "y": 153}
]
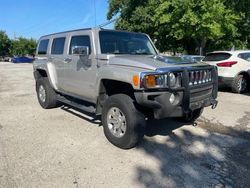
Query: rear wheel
[
  {"x": 45, "y": 93},
  {"x": 123, "y": 124},
  {"x": 239, "y": 84}
]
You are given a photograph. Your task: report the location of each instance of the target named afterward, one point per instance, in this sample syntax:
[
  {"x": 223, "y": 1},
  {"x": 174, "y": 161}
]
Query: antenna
[
  {"x": 95, "y": 11},
  {"x": 107, "y": 23}
]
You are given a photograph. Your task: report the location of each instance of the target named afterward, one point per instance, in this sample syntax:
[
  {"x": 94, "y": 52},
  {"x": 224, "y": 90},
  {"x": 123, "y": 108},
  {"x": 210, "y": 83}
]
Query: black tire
[
  {"x": 192, "y": 116},
  {"x": 239, "y": 84},
  {"x": 50, "y": 94},
  {"x": 135, "y": 121}
]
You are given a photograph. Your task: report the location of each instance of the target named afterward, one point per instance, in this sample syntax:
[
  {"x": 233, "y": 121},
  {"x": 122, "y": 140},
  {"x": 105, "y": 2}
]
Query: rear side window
[
  {"x": 82, "y": 40},
  {"x": 245, "y": 56},
  {"x": 58, "y": 45},
  {"x": 217, "y": 57},
  {"x": 43, "y": 46}
]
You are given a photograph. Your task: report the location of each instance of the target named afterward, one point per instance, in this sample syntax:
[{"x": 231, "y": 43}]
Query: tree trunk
[
  {"x": 202, "y": 46},
  {"x": 190, "y": 45}
]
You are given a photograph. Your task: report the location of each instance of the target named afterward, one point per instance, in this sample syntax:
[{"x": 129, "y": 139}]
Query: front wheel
[{"x": 123, "y": 124}]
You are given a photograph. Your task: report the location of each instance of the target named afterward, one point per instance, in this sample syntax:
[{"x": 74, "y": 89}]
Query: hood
[{"x": 150, "y": 62}]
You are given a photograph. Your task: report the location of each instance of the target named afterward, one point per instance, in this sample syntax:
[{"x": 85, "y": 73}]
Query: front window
[
  {"x": 81, "y": 40},
  {"x": 117, "y": 42}
]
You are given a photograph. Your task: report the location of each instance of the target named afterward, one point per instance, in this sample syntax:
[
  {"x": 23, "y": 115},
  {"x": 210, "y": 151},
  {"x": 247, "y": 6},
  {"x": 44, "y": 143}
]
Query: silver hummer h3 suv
[{"x": 120, "y": 76}]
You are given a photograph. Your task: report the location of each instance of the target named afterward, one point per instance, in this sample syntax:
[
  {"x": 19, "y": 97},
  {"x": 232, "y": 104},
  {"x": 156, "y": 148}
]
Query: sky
[{"x": 34, "y": 18}]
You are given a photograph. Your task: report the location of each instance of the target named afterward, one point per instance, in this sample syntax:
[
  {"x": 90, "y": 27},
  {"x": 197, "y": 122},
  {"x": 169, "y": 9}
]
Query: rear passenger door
[
  {"x": 57, "y": 57},
  {"x": 80, "y": 71}
]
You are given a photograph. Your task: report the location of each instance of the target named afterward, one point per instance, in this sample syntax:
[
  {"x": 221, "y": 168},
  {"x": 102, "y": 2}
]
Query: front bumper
[{"x": 187, "y": 99}]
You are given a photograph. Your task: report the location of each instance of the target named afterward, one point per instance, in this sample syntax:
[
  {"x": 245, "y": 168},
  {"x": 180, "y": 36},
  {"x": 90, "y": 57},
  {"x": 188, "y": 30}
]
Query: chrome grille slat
[{"x": 198, "y": 77}]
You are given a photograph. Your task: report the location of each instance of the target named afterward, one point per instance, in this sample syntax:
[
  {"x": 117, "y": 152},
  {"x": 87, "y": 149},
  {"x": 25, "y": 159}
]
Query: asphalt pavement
[{"x": 65, "y": 148}]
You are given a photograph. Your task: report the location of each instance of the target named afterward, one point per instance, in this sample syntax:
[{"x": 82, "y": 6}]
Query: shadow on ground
[{"x": 189, "y": 158}]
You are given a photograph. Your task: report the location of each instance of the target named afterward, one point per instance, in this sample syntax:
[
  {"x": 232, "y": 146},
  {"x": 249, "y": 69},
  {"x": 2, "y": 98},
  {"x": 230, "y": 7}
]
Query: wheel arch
[
  {"x": 49, "y": 73},
  {"x": 109, "y": 87},
  {"x": 38, "y": 73},
  {"x": 246, "y": 75}
]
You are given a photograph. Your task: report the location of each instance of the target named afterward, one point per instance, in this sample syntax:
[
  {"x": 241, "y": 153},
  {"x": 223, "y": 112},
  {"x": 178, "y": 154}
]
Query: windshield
[{"x": 113, "y": 42}]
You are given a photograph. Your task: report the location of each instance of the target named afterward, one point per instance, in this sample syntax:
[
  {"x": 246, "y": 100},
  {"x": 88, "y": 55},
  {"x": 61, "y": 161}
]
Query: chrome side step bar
[{"x": 81, "y": 105}]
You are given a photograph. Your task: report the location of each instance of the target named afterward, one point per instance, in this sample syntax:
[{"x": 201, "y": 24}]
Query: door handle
[{"x": 67, "y": 60}]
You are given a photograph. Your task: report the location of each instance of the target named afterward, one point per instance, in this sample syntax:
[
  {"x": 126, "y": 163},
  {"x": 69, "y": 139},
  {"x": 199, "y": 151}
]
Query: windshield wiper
[
  {"x": 141, "y": 53},
  {"x": 118, "y": 53}
]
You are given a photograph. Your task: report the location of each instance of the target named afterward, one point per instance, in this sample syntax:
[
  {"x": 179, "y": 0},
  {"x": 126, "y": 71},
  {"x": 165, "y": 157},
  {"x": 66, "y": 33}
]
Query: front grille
[
  {"x": 198, "y": 77},
  {"x": 200, "y": 94}
]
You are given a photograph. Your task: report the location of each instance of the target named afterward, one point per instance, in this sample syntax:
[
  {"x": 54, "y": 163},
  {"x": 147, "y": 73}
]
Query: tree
[
  {"x": 242, "y": 8},
  {"x": 23, "y": 46},
  {"x": 135, "y": 15},
  {"x": 176, "y": 23},
  {"x": 200, "y": 21},
  {"x": 5, "y": 44}
]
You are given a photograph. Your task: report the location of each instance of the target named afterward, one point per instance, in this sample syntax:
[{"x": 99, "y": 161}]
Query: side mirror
[{"x": 80, "y": 50}]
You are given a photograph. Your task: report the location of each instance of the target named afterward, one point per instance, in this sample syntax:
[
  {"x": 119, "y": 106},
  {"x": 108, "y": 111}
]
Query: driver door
[{"x": 79, "y": 70}]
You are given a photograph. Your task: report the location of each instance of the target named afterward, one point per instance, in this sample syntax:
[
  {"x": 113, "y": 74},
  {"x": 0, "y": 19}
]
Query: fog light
[{"x": 172, "y": 98}]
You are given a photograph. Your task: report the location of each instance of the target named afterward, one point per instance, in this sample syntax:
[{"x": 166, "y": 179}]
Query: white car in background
[{"x": 233, "y": 68}]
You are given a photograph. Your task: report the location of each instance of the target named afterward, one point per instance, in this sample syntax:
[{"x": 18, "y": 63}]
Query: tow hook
[
  {"x": 195, "y": 124},
  {"x": 214, "y": 103}
]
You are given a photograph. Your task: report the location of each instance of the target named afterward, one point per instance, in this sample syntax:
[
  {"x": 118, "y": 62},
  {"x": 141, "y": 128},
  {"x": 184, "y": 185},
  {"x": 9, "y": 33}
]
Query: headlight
[
  {"x": 155, "y": 81},
  {"x": 166, "y": 80},
  {"x": 172, "y": 80}
]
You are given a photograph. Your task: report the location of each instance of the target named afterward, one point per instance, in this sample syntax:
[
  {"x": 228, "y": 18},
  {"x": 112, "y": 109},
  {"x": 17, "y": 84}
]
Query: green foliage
[
  {"x": 23, "y": 46},
  {"x": 242, "y": 8},
  {"x": 5, "y": 44},
  {"x": 186, "y": 25}
]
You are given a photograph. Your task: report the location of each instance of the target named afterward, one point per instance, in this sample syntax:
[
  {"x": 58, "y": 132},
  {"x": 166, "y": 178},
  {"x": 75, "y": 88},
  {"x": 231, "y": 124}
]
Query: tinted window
[
  {"x": 245, "y": 56},
  {"x": 112, "y": 42},
  {"x": 58, "y": 46},
  {"x": 80, "y": 41},
  {"x": 217, "y": 56},
  {"x": 43, "y": 46}
]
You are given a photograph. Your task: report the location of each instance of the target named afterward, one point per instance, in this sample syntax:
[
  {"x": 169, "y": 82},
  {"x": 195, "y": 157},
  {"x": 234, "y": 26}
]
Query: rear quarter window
[
  {"x": 217, "y": 57},
  {"x": 245, "y": 56},
  {"x": 43, "y": 47}
]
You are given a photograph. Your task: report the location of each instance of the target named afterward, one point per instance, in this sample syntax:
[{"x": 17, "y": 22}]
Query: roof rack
[{"x": 83, "y": 29}]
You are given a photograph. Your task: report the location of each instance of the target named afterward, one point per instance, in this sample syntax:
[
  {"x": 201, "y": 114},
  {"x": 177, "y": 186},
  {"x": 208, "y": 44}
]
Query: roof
[
  {"x": 67, "y": 32},
  {"x": 85, "y": 29}
]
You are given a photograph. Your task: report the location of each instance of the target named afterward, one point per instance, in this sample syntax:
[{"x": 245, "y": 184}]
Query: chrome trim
[
  {"x": 198, "y": 77},
  {"x": 197, "y": 74}
]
